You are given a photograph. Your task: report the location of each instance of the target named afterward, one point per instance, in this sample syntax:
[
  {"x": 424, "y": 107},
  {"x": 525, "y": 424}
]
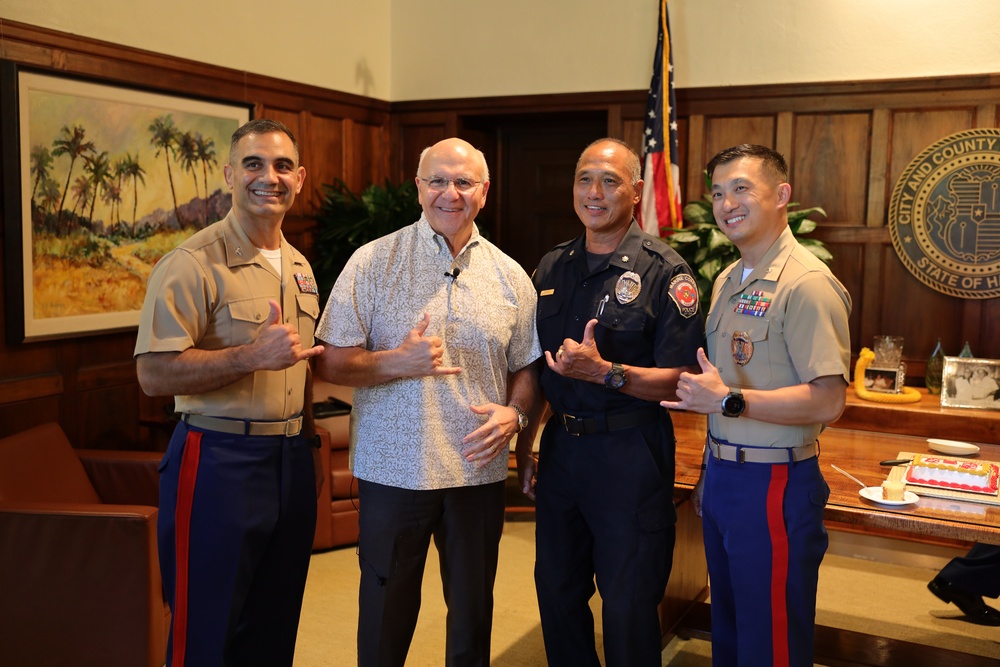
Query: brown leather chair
[
  {"x": 337, "y": 512},
  {"x": 79, "y": 573}
]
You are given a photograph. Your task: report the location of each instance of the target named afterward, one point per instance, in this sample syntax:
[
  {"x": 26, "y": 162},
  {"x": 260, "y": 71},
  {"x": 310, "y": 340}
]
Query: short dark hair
[
  {"x": 773, "y": 161},
  {"x": 260, "y": 126}
]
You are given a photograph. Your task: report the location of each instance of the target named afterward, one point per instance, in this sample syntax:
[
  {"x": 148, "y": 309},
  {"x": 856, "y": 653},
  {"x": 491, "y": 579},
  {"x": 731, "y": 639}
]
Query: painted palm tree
[
  {"x": 206, "y": 153},
  {"x": 81, "y": 192},
  {"x": 116, "y": 177},
  {"x": 165, "y": 135},
  {"x": 112, "y": 196},
  {"x": 41, "y": 161},
  {"x": 71, "y": 143},
  {"x": 187, "y": 151},
  {"x": 98, "y": 166},
  {"x": 48, "y": 195},
  {"x": 132, "y": 169}
]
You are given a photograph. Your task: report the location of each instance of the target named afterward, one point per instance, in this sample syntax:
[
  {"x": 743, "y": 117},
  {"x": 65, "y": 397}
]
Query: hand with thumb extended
[
  {"x": 421, "y": 355},
  {"x": 278, "y": 346},
  {"x": 580, "y": 361},
  {"x": 699, "y": 392}
]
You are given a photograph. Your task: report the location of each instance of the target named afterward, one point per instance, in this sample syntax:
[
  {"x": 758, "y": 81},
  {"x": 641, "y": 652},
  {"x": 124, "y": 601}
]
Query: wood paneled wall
[
  {"x": 88, "y": 384},
  {"x": 846, "y": 144}
]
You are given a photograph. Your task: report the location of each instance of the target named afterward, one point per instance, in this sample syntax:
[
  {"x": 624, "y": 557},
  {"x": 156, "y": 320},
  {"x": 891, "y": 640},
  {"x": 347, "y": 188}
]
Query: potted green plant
[
  {"x": 348, "y": 220},
  {"x": 707, "y": 250}
]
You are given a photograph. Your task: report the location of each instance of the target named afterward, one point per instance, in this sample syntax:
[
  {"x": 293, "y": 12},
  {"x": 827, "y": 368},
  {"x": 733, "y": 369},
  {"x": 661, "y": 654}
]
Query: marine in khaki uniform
[
  {"x": 775, "y": 374},
  {"x": 227, "y": 329}
]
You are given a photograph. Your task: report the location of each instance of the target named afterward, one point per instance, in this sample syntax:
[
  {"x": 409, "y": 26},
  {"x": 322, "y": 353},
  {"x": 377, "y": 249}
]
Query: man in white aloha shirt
[{"x": 428, "y": 324}]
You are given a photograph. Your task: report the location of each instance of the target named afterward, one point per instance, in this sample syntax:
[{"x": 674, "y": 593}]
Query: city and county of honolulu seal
[{"x": 944, "y": 215}]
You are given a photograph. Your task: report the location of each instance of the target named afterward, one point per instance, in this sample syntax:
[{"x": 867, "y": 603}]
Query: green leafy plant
[
  {"x": 707, "y": 250},
  {"x": 348, "y": 220}
]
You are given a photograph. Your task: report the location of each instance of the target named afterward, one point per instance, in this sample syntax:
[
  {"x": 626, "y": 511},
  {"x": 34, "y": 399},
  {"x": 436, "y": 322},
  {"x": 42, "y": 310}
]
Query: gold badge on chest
[
  {"x": 742, "y": 347},
  {"x": 628, "y": 287}
]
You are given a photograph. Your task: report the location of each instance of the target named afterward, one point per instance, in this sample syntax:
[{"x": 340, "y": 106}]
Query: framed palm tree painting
[{"x": 99, "y": 182}]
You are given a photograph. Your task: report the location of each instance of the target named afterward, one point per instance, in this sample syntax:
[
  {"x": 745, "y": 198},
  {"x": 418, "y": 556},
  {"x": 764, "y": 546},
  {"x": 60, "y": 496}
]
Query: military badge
[
  {"x": 307, "y": 284},
  {"x": 684, "y": 292},
  {"x": 628, "y": 287},
  {"x": 742, "y": 348}
]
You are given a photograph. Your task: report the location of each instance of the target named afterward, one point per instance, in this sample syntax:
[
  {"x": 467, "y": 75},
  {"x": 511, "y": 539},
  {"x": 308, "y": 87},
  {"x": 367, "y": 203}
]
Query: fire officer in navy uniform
[
  {"x": 618, "y": 320},
  {"x": 775, "y": 374}
]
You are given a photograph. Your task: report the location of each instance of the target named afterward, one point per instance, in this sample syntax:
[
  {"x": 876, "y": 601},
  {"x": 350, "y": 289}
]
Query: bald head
[{"x": 455, "y": 149}]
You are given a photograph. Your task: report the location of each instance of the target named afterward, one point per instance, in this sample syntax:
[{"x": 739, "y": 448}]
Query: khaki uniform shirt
[
  {"x": 212, "y": 292},
  {"x": 788, "y": 325},
  {"x": 408, "y": 432}
]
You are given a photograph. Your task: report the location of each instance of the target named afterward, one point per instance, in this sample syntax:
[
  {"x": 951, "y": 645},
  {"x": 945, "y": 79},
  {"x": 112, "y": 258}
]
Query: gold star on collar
[{"x": 625, "y": 258}]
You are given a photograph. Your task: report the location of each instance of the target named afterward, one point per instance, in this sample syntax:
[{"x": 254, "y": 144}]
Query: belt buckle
[
  {"x": 565, "y": 419},
  {"x": 293, "y": 427}
]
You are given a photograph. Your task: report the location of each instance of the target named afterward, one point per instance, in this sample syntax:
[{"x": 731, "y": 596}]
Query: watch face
[
  {"x": 733, "y": 405},
  {"x": 616, "y": 378}
]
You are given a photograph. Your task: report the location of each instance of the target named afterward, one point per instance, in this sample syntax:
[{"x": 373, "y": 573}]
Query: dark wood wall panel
[
  {"x": 325, "y": 160},
  {"x": 913, "y": 131},
  {"x": 828, "y": 165},
  {"x": 726, "y": 131}
]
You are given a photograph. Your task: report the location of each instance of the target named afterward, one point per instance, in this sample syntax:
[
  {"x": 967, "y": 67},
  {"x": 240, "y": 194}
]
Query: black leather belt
[
  {"x": 288, "y": 427},
  {"x": 603, "y": 422}
]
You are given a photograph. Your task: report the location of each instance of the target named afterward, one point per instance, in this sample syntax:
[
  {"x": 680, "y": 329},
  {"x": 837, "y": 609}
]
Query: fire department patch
[{"x": 684, "y": 292}]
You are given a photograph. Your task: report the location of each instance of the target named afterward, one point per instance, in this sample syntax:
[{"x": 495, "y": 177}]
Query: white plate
[
  {"x": 874, "y": 493},
  {"x": 952, "y": 447}
]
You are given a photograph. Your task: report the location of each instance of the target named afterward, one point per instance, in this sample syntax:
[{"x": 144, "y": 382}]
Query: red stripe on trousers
[
  {"x": 182, "y": 532},
  {"x": 779, "y": 563}
]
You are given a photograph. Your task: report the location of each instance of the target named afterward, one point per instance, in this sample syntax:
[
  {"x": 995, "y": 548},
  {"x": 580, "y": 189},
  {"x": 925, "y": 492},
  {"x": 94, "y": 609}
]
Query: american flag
[{"x": 661, "y": 201}]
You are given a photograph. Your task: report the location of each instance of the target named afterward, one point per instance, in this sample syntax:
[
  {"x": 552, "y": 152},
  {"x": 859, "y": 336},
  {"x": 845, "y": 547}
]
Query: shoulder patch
[{"x": 684, "y": 292}]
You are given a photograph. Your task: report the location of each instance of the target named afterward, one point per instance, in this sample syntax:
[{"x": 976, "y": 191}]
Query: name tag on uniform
[{"x": 547, "y": 292}]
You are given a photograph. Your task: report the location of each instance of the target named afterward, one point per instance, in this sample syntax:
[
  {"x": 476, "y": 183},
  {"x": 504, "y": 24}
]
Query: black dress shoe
[{"x": 975, "y": 610}]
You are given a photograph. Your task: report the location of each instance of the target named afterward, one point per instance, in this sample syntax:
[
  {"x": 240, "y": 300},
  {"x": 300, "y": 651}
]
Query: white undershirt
[
  {"x": 273, "y": 256},
  {"x": 746, "y": 274}
]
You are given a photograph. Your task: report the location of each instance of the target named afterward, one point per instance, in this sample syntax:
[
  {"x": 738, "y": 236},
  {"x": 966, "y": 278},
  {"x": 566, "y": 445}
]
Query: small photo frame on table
[
  {"x": 99, "y": 181},
  {"x": 971, "y": 383},
  {"x": 884, "y": 380}
]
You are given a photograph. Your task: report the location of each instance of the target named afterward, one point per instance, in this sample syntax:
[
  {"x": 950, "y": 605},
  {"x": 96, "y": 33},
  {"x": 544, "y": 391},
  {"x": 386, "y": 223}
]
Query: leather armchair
[
  {"x": 337, "y": 515},
  {"x": 79, "y": 572}
]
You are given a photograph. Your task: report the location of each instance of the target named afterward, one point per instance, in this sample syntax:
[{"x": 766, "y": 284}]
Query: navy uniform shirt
[{"x": 659, "y": 327}]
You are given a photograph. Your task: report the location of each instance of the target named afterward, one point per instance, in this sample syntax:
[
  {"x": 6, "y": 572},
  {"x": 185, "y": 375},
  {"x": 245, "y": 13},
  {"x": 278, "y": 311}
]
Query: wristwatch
[
  {"x": 616, "y": 378},
  {"x": 522, "y": 419},
  {"x": 733, "y": 404}
]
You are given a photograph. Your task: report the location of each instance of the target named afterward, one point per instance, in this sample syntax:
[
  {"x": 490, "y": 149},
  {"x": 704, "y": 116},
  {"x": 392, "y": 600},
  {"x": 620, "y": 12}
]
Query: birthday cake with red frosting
[{"x": 957, "y": 474}]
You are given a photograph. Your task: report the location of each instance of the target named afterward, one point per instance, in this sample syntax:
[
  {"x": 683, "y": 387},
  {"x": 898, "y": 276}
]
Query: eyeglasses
[{"x": 440, "y": 184}]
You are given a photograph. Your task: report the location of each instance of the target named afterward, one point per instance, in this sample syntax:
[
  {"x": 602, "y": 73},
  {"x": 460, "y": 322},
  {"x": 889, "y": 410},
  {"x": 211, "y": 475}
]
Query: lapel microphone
[{"x": 454, "y": 274}]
